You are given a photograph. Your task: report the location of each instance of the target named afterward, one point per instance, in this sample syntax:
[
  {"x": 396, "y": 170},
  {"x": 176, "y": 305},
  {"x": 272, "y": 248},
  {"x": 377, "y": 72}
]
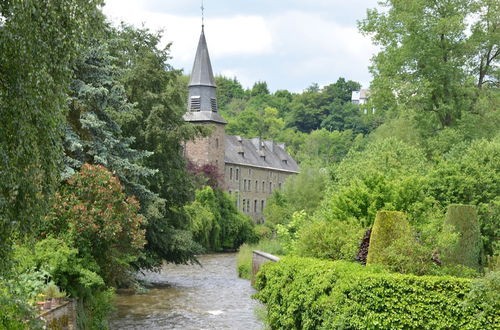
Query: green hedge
[
  {"x": 388, "y": 227},
  {"x": 467, "y": 252},
  {"x": 304, "y": 293}
]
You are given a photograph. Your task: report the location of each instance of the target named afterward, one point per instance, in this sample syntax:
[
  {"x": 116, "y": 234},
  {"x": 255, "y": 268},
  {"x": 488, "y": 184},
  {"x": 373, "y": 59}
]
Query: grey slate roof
[
  {"x": 202, "y": 68},
  {"x": 258, "y": 153},
  {"x": 203, "y": 116}
]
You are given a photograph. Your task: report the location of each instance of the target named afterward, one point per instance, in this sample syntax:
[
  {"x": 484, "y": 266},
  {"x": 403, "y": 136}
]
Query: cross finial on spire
[{"x": 202, "y": 15}]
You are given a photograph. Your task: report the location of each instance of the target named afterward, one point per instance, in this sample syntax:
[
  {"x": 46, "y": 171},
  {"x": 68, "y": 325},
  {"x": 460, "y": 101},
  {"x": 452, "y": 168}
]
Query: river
[{"x": 191, "y": 297}]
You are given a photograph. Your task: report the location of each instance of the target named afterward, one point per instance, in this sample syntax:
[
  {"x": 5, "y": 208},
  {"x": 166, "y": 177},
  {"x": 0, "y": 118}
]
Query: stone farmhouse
[{"x": 251, "y": 168}]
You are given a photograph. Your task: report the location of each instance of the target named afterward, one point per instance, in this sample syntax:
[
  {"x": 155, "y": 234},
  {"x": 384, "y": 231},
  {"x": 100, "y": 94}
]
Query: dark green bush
[
  {"x": 467, "y": 251},
  {"x": 303, "y": 293},
  {"x": 388, "y": 227}
]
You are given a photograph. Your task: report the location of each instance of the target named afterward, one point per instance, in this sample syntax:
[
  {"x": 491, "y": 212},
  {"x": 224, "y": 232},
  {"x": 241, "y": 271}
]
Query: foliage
[
  {"x": 467, "y": 251},
  {"x": 39, "y": 41},
  {"x": 245, "y": 255},
  {"x": 468, "y": 175},
  {"x": 216, "y": 223},
  {"x": 324, "y": 147},
  {"x": 15, "y": 312},
  {"x": 388, "y": 227},
  {"x": 391, "y": 157},
  {"x": 93, "y": 213},
  {"x": 335, "y": 240},
  {"x": 158, "y": 92},
  {"x": 93, "y": 311},
  {"x": 92, "y": 134},
  {"x": 278, "y": 210},
  {"x": 302, "y": 293},
  {"x": 288, "y": 233},
  {"x": 485, "y": 293},
  {"x": 423, "y": 58},
  {"x": 359, "y": 200}
]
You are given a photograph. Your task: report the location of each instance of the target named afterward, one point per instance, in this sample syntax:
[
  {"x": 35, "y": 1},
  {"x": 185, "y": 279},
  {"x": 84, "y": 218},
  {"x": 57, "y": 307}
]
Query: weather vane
[{"x": 202, "y": 14}]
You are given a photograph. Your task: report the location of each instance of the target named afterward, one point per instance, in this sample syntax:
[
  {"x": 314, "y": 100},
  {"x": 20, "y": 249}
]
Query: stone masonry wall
[{"x": 208, "y": 150}]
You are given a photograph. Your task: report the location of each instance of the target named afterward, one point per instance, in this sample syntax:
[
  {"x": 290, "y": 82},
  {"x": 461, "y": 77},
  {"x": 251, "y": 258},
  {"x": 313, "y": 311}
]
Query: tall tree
[
  {"x": 39, "y": 41},
  {"x": 158, "y": 92},
  {"x": 421, "y": 66}
]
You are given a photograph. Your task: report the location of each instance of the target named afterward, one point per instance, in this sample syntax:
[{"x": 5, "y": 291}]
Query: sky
[{"x": 290, "y": 44}]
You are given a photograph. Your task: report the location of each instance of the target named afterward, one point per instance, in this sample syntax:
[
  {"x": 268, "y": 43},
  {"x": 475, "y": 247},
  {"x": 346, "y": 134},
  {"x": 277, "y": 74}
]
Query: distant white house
[{"x": 360, "y": 97}]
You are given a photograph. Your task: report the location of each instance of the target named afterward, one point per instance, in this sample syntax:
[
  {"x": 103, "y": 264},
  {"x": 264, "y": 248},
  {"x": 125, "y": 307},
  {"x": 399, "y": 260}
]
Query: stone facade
[
  {"x": 208, "y": 150},
  {"x": 252, "y": 186}
]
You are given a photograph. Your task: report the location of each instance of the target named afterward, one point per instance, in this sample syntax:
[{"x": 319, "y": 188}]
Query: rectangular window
[
  {"x": 245, "y": 185},
  {"x": 263, "y": 186},
  {"x": 255, "y": 206},
  {"x": 237, "y": 174},
  {"x": 279, "y": 185},
  {"x": 195, "y": 103},
  {"x": 244, "y": 204},
  {"x": 230, "y": 173},
  {"x": 262, "y": 206},
  {"x": 256, "y": 186},
  {"x": 270, "y": 187},
  {"x": 248, "y": 205}
]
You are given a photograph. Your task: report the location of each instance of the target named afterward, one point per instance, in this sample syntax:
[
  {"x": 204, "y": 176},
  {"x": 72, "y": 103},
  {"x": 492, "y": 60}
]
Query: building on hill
[{"x": 250, "y": 169}]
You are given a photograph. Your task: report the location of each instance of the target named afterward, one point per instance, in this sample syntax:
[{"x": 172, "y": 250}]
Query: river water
[{"x": 191, "y": 297}]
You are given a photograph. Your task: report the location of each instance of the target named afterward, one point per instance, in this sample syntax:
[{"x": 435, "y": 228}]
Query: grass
[{"x": 244, "y": 258}]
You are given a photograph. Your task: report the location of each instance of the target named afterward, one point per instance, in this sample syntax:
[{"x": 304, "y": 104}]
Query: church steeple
[
  {"x": 202, "y": 74},
  {"x": 202, "y": 101}
]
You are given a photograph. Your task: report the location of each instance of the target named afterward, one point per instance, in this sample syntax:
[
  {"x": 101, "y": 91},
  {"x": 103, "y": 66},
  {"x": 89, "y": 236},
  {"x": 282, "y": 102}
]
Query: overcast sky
[{"x": 290, "y": 44}]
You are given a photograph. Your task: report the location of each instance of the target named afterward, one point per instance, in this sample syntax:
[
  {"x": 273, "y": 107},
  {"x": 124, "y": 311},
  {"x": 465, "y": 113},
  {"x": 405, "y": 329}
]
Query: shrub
[
  {"x": 304, "y": 293},
  {"x": 334, "y": 240},
  {"x": 388, "y": 227},
  {"x": 467, "y": 251},
  {"x": 93, "y": 214}
]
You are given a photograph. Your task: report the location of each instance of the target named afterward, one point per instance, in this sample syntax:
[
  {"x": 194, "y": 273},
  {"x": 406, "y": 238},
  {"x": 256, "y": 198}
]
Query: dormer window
[
  {"x": 195, "y": 103},
  {"x": 284, "y": 161},
  {"x": 213, "y": 104}
]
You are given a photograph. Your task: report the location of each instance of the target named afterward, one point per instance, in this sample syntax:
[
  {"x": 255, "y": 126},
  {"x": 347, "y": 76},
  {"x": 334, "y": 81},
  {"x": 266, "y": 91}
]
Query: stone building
[{"x": 251, "y": 168}]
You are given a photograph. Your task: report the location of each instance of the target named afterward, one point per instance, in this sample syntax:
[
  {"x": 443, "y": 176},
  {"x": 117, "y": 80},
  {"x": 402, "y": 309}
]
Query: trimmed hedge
[
  {"x": 387, "y": 228},
  {"x": 467, "y": 252},
  {"x": 304, "y": 293}
]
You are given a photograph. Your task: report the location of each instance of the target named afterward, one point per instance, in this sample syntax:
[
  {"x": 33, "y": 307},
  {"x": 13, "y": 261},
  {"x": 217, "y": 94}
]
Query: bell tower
[{"x": 202, "y": 110}]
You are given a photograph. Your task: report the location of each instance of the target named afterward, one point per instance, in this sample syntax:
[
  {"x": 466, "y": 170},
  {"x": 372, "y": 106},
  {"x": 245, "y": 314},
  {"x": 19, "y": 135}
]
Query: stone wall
[
  {"x": 208, "y": 150},
  {"x": 252, "y": 186},
  {"x": 62, "y": 316},
  {"x": 259, "y": 258}
]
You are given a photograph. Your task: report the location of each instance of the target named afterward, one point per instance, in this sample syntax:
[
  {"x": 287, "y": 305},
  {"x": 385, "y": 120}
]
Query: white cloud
[
  {"x": 287, "y": 49},
  {"x": 237, "y": 35}
]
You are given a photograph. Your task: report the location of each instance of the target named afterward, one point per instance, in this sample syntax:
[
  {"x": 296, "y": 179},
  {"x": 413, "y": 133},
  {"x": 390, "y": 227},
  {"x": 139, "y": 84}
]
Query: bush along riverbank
[{"x": 306, "y": 293}]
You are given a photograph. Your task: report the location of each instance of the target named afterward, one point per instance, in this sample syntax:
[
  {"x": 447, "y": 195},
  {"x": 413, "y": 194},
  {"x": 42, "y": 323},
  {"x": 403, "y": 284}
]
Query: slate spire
[{"x": 202, "y": 74}]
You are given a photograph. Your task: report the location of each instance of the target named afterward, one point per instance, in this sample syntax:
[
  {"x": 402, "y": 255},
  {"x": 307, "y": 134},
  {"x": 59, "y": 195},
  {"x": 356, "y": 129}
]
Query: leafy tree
[
  {"x": 259, "y": 88},
  {"x": 158, "y": 91},
  {"x": 423, "y": 58},
  {"x": 92, "y": 134},
  {"x": 222, "y": 227},
  {"x": 390, "y": 157},
  {"x": 93, "y": 214},
  {"x": 39, "y": 41},
  {"x": 485, "y": 41},
  {"x": 227, "y": 90}
]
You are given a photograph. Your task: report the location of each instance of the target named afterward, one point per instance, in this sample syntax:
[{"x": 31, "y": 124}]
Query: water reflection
[{"x": 191, "y": 297}]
